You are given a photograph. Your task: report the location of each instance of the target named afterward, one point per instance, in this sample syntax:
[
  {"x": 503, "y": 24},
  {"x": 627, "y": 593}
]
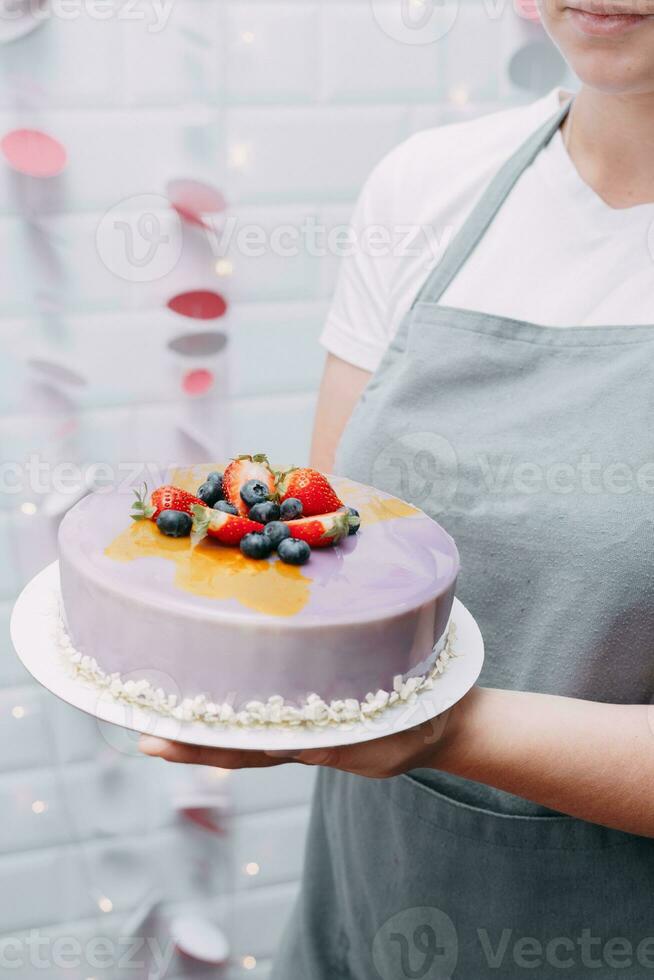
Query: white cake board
[{"x": 33, "y": 634}]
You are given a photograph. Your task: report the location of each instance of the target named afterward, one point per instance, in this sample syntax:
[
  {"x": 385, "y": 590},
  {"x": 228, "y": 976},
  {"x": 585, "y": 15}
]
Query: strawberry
[
  {"x": 321, "y": 530},
  {"x": 311, "y": 488},
  {"x": 227, "y": 528},
  {"x": 164, "y": 498},
  {"x": 240, "y": 471}
]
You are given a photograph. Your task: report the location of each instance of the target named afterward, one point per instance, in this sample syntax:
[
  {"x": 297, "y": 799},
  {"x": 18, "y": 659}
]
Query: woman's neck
[{"x": 610, "y": 139}]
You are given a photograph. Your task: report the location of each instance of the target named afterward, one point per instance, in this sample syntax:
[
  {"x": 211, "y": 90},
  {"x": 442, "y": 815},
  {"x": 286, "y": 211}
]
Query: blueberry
[
  {"x": 265, "y": 513},
  {"x": 174, "y": 523},
  {"x": 277, "y": 531},
  {"x": 355, "y": 521},
  {"x": 226, "y": 506},
  {"x": 217, "y": 479},
  {"x": 291, "y": 509},
  {"x": 256, "y": 545},
  {"x": 209, "y": 493},
  {"x": 293, "y": 551},
  {"x": 254, "y": 492}
]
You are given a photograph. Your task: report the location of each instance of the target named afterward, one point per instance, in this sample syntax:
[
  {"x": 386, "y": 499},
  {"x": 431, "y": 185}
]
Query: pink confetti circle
[
  {"x": 198, "y": 382},
  {"x": 32, "y": 152},
  {"x": 200, "y": 304},
  {"x": 193, "y": 199},
  {"x": 528, "y": 9},
  {"x": 198, "y": 938}
]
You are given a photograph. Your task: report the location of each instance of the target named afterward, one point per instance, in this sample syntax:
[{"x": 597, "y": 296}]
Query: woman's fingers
[
  {"x": 201, "y": 755},
  {"x": 380, "y": 757}
]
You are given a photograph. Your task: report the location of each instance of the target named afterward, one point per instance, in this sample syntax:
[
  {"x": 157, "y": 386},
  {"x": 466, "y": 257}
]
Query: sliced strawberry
[
  {"x": 242, "y": 469},
  {"x": 310, "y": 487},
  {"x": 321, "y": 530},
  {"x": 163, "y": 498},
  {"x": 227, "y": 528}
]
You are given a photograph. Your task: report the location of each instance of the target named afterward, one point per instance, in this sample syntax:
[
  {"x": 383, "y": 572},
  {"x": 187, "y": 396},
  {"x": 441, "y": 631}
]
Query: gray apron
[{"x": 534, "y": 447}]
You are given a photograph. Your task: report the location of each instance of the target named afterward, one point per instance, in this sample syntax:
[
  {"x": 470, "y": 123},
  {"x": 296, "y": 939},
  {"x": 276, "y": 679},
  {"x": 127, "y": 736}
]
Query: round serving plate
[{"x": 33, "y": 632}]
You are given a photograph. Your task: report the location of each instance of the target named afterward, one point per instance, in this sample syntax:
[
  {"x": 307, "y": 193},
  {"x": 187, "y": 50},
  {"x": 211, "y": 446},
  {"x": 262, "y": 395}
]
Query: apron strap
[{"x": 487, "y": 207}]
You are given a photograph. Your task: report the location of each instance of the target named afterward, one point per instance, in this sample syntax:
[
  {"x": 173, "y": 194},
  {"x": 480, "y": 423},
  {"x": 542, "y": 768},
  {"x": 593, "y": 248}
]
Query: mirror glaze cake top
[{"x": 218, "y": 624}]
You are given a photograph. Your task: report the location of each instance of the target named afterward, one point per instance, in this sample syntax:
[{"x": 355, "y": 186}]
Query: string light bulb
[
  {"x": 105, "y": 904},
  {"x": 252, "y": 869},
  {"x": 38, "y": 806},
  {"x": 459, "y": 95},
  {"x": 224, "y": 268},
  {"x": 239, "y": 156},
  {"x": 249, "y": 962},
  {"x": 28, "y": 508},
  {"x": 247, "y": 37},
  {"x": 18, "y": 711}
]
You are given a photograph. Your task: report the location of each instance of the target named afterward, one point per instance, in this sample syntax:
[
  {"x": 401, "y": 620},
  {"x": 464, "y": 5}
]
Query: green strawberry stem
[
  {"x": 201, "y": 522},
  {"x": 339, "y": 528},
  {"x": 257, "y": 458},
  {"x": 281, "y": 479},
  {"x": 353, "y": 520},
  {"x": 141, "y": 510}
]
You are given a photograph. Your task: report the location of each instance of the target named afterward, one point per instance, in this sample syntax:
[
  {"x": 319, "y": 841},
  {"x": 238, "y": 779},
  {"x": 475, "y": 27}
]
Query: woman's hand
[
  {"x": 588, "y": 759},
  {"x": 377, "y": 759}
]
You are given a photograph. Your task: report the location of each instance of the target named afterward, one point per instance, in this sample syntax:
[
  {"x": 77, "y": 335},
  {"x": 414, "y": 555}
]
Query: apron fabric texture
[{"x": 533, "y": 446}]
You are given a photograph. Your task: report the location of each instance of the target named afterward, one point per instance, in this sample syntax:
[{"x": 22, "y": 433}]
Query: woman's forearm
[
  {"x": 589, "y": 760},
  {"x": 340, "y": 389}
]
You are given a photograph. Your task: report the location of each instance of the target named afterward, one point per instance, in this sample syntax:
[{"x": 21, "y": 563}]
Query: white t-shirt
[{"x": 556, "y": 254}]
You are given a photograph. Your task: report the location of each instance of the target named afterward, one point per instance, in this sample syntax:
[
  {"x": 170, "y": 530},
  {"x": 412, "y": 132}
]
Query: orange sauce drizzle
[{"x": 218, "y": 572}]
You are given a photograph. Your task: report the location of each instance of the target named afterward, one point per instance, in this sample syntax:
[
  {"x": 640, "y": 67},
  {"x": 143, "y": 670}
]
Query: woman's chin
[
  {"x": 611, "y": 69},
  {"x": 614, "y": 74},
  {"x": 617, "y": 64}
]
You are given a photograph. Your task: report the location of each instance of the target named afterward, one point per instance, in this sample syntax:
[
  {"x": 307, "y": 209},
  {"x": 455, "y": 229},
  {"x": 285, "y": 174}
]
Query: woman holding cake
[{"x": 519, "y": 360}]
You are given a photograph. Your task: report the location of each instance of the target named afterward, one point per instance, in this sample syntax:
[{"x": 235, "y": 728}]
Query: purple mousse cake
[{"x": 186, "y": 625}]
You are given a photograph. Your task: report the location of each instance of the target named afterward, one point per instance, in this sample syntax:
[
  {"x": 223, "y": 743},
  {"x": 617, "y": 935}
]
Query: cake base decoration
[{"x": 275, "y": 711}]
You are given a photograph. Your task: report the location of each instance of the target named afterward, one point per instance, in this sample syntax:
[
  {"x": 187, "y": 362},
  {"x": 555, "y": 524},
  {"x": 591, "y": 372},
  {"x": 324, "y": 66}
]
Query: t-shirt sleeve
[{"x": 358, "y": 325}]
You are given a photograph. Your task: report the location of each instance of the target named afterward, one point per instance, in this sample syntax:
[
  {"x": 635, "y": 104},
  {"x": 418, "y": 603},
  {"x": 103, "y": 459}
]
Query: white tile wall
[
  {"x": 388, "y": 72},
  {"x": 272, "y": 52},
  {"x": 285, "y": 105}
]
